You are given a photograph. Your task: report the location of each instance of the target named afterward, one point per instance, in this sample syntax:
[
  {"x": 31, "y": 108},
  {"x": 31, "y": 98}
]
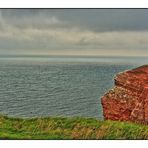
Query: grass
[{"x": 69, "y": 128}]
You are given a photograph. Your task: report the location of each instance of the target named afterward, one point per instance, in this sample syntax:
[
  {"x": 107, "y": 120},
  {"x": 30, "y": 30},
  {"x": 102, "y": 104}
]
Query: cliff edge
[{"x": 128, "y": 100}]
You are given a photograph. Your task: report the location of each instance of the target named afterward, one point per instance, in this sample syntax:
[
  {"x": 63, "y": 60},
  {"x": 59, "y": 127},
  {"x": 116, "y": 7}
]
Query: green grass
[{"x": 69, "y": 128}]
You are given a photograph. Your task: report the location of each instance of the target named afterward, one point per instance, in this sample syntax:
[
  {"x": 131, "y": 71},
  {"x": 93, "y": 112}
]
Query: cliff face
[{"x": 128, "y": 100}]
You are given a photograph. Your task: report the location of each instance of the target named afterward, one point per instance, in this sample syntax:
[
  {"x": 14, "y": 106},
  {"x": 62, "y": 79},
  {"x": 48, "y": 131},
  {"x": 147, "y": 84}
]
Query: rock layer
[{"x": 128, "y": 100}]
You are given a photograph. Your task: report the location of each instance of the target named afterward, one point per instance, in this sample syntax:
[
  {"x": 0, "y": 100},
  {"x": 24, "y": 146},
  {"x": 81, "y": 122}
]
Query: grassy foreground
[{"x": 69, "y": 128}]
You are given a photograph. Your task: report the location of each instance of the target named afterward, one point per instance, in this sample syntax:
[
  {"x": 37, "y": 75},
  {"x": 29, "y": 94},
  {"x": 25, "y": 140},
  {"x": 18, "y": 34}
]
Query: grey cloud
[
  {"x": 94, "y": 19},
  {"x": 88, "y": 30}
]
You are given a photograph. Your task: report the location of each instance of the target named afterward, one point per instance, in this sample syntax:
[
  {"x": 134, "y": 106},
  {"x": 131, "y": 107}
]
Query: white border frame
[{"x": 74, "y": 3}]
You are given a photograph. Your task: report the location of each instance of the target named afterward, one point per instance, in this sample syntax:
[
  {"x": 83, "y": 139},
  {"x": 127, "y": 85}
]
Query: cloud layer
[{"x": 47, "y": 32}]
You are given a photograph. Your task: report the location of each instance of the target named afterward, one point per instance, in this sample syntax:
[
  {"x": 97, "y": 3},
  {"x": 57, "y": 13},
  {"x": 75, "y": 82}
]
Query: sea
[{"x": 55, "y": 86}]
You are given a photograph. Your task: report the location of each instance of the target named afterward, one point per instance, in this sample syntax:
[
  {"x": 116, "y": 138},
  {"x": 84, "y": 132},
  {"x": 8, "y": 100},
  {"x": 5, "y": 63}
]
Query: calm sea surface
[{"x": 58, "y": 86}]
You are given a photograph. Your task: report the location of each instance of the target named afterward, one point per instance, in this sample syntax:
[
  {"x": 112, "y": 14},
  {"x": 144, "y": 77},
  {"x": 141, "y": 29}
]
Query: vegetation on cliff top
[{"x": 69, "y": 128}]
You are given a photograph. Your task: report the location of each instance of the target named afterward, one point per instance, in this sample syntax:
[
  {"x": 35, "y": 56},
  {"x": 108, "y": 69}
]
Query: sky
[{"x": 81, "y": 32}]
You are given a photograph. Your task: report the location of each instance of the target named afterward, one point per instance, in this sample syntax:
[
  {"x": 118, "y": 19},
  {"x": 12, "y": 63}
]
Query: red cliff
[{"x": 128, "y": 100}]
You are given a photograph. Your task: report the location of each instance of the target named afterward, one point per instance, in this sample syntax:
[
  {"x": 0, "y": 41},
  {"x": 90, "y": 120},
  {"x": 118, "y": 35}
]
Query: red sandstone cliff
[{"x": 128, "y": 100}]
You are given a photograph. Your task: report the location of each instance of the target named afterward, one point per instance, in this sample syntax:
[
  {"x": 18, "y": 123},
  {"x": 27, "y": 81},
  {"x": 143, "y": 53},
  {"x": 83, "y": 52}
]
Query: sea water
[{"x": 44, "y": 86}]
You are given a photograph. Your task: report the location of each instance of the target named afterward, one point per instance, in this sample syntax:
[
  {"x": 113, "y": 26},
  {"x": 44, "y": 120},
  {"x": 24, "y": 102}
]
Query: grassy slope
[{"x": 69, "y": 128}]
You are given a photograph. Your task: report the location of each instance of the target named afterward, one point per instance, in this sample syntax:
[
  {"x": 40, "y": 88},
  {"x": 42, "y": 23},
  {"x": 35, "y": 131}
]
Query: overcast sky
[{"x": 74, "y": 31}]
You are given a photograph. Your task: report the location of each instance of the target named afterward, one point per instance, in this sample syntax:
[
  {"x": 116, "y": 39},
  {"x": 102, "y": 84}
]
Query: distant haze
[{"x": 84, "y": 32}]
